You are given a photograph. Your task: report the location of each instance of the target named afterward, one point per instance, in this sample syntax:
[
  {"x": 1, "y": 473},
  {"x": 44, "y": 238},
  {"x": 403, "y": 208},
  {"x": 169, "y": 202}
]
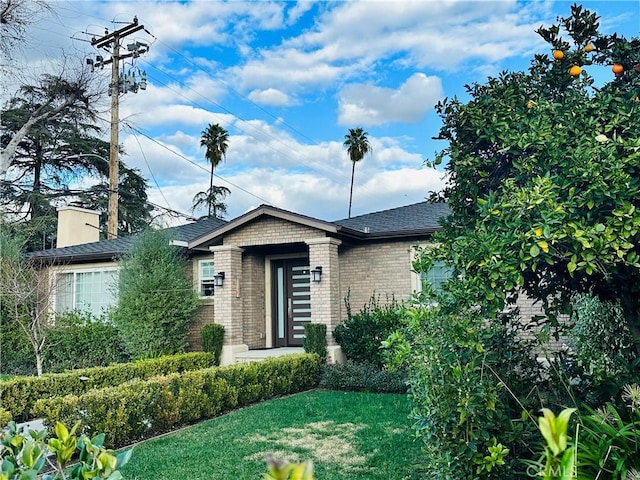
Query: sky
[{"x": 288, "y": 79}]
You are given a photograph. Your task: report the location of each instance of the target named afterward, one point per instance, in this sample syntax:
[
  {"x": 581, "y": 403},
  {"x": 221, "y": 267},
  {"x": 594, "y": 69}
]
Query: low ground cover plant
[{"x": 364, "y": 377}]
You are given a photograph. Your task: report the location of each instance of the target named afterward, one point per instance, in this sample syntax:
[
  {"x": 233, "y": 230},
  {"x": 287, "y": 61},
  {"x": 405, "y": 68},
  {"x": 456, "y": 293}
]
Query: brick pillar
[
  {"x": 228, "y": 299},
  {"x": 325, "y": 295}
]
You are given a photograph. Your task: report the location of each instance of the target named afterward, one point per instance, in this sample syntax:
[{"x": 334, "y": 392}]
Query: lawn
[{"x": 347, "y": 435}]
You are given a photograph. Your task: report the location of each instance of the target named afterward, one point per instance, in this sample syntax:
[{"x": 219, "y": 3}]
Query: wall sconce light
[
  {"x": 218, "y": 279},
  {"x": 316, "y": 273}
]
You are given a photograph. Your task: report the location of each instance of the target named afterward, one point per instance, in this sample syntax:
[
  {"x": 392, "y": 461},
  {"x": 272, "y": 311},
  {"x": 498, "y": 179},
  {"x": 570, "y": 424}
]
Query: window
[
  {"x": 206, "y": 271},
  {"x": 92, "y": 291},
  {"x": 438, "y": 274}
]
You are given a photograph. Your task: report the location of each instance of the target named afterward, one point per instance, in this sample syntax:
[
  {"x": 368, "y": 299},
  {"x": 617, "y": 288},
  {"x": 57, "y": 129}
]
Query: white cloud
[
  {"x": 366, "y": 104},
  {"x": 271, "y": 97},
  {"x": 351, "y": 38}
]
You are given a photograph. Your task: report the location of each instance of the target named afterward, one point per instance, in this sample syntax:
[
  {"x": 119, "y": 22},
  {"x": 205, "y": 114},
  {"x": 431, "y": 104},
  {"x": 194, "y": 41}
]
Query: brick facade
[{"x": 383, "y": 268}]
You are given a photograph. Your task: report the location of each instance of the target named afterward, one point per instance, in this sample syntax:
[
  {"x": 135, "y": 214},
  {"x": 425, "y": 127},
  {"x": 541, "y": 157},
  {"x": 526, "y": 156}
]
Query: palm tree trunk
[
  {"x": 353, "y": 171},
  {"x": 210, "y": 189}
]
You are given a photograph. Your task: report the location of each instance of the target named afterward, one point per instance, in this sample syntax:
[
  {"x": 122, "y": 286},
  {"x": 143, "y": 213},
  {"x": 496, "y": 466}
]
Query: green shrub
[
  {"x": 5, "y": 417},
  {"x": 362, "y": 334},
  {"x": 16, "y": 353},
  {"x": 141, "y": 408},
  {"x": 603, "y": 358},
  {"x": 457, "y": 403},
  {"x": 212, "y": 339},
  {"x": 18, "y": 395},
  {"x": 362, "y": 376},
  {"x": 156, "y": 301},
  {"x": 609, "y": 441},
  {"x": 315, "y": 340},
  {"x": 80, "y": 340}
]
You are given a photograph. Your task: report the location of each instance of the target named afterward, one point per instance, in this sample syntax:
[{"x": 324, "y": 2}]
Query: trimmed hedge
[
  {"x": 315, "y": 340},
  {"x": 212, "y": 339},
  {"x": 18, "y": 395},
  {"x": 142, "y": 408}
]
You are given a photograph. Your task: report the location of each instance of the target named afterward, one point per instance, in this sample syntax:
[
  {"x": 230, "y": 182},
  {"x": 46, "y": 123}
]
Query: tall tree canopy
[
  {"x": 216, "y": 141},
  {"x": 358, "y": 146},
  {"x": 545, "y": 176},
  {"x": 54, "y": 153}
]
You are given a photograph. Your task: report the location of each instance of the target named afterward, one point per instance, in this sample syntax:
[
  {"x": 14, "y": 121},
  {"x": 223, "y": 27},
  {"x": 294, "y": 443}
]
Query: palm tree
[
  {"x": 358, "y": 146},
  {"x": 215, "y": 138},
  {"x": 214, "y": 198}
]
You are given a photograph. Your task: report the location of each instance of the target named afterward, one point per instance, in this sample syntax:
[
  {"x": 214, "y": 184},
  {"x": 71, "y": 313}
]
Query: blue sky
[{"x": 288, "y": 79}]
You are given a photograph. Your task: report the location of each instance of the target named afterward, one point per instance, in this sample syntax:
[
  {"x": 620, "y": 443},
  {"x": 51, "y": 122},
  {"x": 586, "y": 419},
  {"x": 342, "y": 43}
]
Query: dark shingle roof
[
  {"x": 108, "y": 249},
  {"x": 417, "y": 219},
  {"x": 420, "y": 217}
]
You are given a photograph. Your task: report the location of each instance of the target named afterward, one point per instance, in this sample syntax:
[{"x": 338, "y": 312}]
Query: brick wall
[
  {"x": 204, "y": 317},
  {"x": 381, "y": 267},
  {"x": 270, "y": 231}
]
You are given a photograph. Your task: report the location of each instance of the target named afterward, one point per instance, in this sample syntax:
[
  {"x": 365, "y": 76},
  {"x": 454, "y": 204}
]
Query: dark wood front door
[{"x": 291, "y": 300}]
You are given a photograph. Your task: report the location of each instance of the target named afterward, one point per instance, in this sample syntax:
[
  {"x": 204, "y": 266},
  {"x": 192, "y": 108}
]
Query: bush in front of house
[
  {"x": 80, "y": 340},
  {"x": 212, "y": 339},
  {"x": 143, "y": 408},
  {"x": 18, "y": 395},
  {"x": 156, "y": 299},
  {"x": 602, "y": 356},
  {"x": 362, "y": 334},
  {"x": 315, "y": 340},
  {"x": 363, "y": 377},
  {"x": 17, "y": 354},
  {"x": 5, "y": 417}
]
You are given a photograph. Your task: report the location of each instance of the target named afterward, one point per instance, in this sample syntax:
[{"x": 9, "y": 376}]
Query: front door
[{"x": 291, "y": 300}]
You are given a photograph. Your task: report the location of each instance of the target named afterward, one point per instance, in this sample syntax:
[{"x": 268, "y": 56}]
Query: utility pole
[{"x": 119, "y": 84}]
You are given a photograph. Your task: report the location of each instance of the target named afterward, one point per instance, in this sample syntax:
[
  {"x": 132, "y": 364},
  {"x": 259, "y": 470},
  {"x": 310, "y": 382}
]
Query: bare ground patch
[{"x": 323, "y": 442}]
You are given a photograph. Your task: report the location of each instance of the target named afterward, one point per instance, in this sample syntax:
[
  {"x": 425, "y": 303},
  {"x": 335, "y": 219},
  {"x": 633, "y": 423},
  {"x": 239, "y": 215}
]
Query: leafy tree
[
  {"x": 216, "y": 140},
  {"x": 156, "y": 300},
  {"x": 545, "y": 177},
  {"x": 358, "y": 146},
  {"x": 68, "y": 96},
  {"x": 55, "y": 152}
]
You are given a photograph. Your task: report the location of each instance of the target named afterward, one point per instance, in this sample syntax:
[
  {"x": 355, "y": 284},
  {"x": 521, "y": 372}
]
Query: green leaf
[{"x": 534, "y": 251}]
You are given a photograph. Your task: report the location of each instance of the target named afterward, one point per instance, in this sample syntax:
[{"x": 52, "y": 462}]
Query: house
[{"x": 262, "y": 275}]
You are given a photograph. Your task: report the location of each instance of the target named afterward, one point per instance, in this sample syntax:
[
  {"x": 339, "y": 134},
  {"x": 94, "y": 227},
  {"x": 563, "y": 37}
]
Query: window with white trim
[
  {"x": 91, "y": 291},
  {"x": 437, "y": 275},
  {"x": 206, "y": 272}
]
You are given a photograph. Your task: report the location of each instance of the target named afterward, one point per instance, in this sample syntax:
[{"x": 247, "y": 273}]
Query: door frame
[{"x": 269, "y": 292}]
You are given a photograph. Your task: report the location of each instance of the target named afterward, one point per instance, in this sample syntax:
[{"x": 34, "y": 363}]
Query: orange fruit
[
  {"x": 617, "y": 69},
  {"x": 530, "y": 104},
  {"x": 558, "y": 54},
  {"x": 588, "y": 48},
  {"x": 575, "y": 71}
]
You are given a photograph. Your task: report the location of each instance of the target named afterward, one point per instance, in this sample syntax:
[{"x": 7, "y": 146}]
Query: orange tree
[{"x": 544, "y": 172}]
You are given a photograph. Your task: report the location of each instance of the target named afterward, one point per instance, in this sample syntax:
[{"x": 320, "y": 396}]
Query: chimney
[{"x": 77, "y": 226}]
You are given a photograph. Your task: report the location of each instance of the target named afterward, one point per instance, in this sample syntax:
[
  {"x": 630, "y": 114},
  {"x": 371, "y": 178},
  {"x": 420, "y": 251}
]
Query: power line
[
  {"x": 150, "y": 171},
  {"x": 198, "y": 165}
]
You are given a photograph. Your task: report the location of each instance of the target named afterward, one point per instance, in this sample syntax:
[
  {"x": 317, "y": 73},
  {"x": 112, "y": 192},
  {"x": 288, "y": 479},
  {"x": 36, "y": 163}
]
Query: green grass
[{"x": 347, "y": 435}]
